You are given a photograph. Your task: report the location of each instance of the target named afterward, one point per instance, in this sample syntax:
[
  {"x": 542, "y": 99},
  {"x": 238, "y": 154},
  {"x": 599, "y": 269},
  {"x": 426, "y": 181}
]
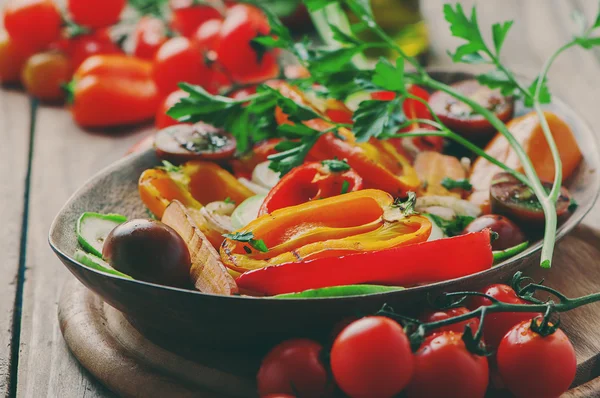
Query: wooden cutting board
[{"x": 130, "y": 364}]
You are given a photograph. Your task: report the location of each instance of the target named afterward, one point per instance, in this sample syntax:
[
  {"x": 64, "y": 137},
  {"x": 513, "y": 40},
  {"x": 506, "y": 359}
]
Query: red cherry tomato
[
  {"x": 207, "y": 35},
  {"x": 496, "y": 325},
  {"x": 371, "y": 358},
  {"x": 82, "y": 47},
  {"x": 163, "y": 120},
  {"x": 434, "y": 316},
  {"x": 12, "y": 59},
  {"x": 33, "y": 24},
  {"x": 294, "y": 367},
  {"x": 95, "y": 13},
  {"x": 533, "y": 366},
  {"x": 150, "y": 34},
  {"x": 187, "y": 16},
  {"x": 180, "y": 60},
  {"x": 234, "y": 50},
  {"x": 445, "y": 368}
]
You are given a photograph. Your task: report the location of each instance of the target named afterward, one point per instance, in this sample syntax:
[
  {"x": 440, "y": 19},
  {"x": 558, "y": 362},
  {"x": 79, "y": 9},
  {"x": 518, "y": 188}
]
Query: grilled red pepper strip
[
  {"x": 309, "y": 182},
  {"x": 425, "y": 262}
]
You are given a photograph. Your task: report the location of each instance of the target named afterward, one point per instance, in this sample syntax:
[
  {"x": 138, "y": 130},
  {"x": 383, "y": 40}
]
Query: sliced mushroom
[{"x": 208, "y": 273}]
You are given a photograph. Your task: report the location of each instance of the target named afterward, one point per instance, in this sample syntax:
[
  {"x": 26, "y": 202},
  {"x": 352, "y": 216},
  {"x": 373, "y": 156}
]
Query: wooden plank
[
  {"x": 64, "y": 157},
  {"x": 14, "y": 149}
]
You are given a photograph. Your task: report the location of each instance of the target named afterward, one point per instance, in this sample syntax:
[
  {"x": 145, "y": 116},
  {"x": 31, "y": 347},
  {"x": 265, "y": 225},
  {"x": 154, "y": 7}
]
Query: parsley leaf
[
  {"x": 588, "y": 42},
  {"x": 293, "y": 156},
  {"x": 468, "y": 29},
  {"x": 388, "y": 76},
  {"x": 228, "y": 200},
  {"x": 316, "y": 5},
  {"x": 170, "y": 167},
  {"x": 450, "y": 184},
  {"x": 499, "y": 31},
  {"x": 374, "y": 118},
  {"x": 407, "y": 207},
  {"x": 336, "y": 166},
  {"x": 248, "y": 237},
  {"x": 452, "y": 227},
  {"x": 500, "y": 80},
  {"x": 545, "y": 96},
  {"x": 345, "y": 187}
]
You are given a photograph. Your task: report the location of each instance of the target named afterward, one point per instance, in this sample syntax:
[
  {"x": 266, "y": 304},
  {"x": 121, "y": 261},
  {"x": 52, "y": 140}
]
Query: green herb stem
[{"x": 548, "y": 205}]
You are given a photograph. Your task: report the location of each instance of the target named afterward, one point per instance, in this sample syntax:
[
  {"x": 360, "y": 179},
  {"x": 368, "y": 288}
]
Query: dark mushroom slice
[
  {"x": 183, "y": 142},
  {"x": 461, "y": 118},
  {"x": 515, "y": 200}
]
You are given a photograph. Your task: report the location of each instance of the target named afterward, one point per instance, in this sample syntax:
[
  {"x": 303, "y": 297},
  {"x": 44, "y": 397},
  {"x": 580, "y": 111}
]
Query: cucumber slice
[
  {"x": 340, "y": 291},
  {"x": 97, "y": 263},
  {"x": 246, "y": 211},
  {"x": 353, "y": 100},
  {"x": 93, "y": 228}
]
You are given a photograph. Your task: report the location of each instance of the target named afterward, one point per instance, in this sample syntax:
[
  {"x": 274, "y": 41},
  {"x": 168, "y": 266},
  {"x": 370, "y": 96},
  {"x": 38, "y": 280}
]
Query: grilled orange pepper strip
[{"x": 360, "y": 221}]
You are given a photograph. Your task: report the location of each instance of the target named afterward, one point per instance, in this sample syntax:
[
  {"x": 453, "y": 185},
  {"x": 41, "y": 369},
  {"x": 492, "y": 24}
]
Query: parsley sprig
[{"x": 248, "y": 237}]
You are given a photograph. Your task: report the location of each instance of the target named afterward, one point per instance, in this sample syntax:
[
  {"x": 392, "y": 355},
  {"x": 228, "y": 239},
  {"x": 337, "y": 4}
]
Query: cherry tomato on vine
[
  {"x": 234, "y": 48},
  {"x": 294, "y": 367},
  {"x": 82, "y": 47},
  {"x": 180, "y": 60},
  {"x": 534, "y": 366},
  {"x": 95, "y": 13},
  {"x": 33, "y": 24},
  {"x": 496, "y": 325},
  {"x": 188, "y": 16},
  {"x": 444, "y": 368},
  {"x": 12, "y": 59},
  {"x": 439, "y": 315},
  {"x": 163, "y": 120},
  {"x": 150, "y": 33},
  {"x": 372, "y": 358},
  {"x": 44, "y": 75}
]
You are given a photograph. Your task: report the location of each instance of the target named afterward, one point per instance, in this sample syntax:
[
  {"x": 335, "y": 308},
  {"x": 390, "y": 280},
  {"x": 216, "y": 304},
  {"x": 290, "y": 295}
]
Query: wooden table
[{"x": 45, "y": 157}]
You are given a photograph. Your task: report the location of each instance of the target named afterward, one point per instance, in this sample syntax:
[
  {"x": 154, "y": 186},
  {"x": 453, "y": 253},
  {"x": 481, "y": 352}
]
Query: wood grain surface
[
  {"x": 14, "y": 155},
  {"x": 64, "y": 157}
]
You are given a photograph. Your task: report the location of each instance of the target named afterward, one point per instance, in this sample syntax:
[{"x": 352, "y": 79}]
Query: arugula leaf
[
  {"x": 345, "y": 187},
  {"x": 248, "y": 237},
  {"x": 499, "y": 31},
  {"x": 452, "y": 227},
  {"x": 336, "y": 166},
  {"x": 388, "y": 76},
  {"x": 374, "y": 118},
  {"x": 450, "y": 183}
]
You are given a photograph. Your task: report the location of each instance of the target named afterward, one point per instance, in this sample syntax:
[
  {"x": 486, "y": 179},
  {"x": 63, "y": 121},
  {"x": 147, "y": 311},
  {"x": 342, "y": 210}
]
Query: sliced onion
[
  {"x": 264, "y": 176},
  {"x": 459, "y": 206},
  {"x": 246, "y": 212},
  {"x": 257, "y": 189},
  {"x": 218, "y": 216}
]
